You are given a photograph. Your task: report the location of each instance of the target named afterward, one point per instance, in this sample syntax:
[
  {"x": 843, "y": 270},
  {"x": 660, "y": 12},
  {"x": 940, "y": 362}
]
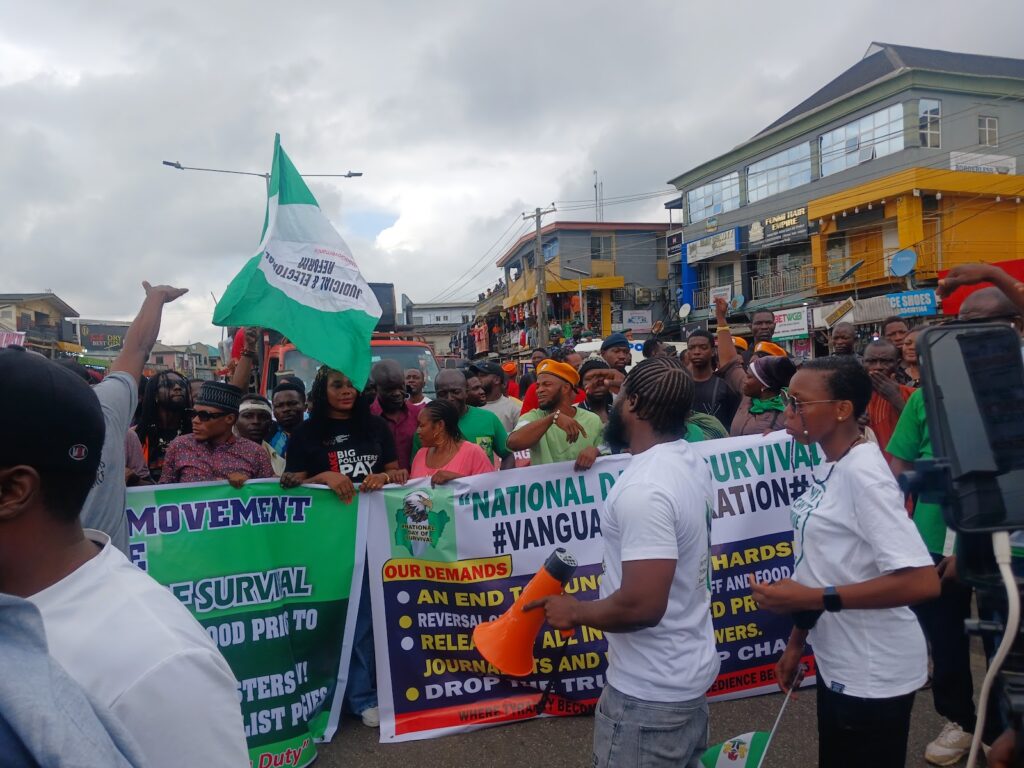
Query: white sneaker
[
  {"x": 951, "y": 744},
  {"x": 371, "y": 719}
]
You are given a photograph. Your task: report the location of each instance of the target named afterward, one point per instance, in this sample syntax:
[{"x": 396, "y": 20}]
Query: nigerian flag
[
  {"x": 303, "y": 281},
  {"x": 744, "y": 751}
]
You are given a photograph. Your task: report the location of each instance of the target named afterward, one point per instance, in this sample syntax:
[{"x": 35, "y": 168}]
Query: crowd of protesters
[{"x": 862, "y": 561}]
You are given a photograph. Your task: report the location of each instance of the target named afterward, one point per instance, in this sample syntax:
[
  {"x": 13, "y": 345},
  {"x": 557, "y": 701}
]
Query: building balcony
[{"x": 783, "y": 282}]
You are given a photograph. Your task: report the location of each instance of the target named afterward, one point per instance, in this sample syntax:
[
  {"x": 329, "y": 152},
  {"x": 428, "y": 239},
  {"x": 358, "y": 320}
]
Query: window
[
  {"x": 716, "y": 197},
  {"x": 929, "y": 114},
  {"x": 601, "y": 247},
  {"x": 875, "y": 135},
  {"x": 724, "y": 274},
  {"x": 783, "y": 170},
  {"x": 988, "y": 131}
]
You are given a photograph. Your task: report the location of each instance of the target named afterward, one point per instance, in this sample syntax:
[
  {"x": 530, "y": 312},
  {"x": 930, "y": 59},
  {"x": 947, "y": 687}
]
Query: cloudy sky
[{"x": 461, "y": 115}]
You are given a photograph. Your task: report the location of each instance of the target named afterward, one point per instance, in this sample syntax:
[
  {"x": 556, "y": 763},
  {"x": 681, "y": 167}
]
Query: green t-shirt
[
  {"x": 553, "y": 446},
  {"x": 910, "y": 441},
  {"x": 481, "y": 427}
]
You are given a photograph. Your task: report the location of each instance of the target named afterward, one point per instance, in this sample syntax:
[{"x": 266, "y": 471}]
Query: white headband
[{"x": 254, "y": 405}]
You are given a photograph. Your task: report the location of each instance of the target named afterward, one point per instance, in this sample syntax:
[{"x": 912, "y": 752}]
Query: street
[{"x": 565, "y": 742}]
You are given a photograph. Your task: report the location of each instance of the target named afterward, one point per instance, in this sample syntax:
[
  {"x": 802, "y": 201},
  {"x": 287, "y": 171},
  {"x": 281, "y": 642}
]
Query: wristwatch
[
  {"x": 833, "y": 603},
  {"x": 555, "y": 416}
]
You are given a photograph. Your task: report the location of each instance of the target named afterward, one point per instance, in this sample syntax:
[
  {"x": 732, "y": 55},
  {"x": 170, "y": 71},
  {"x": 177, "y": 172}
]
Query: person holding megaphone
[{"x": 655, "y": 596}]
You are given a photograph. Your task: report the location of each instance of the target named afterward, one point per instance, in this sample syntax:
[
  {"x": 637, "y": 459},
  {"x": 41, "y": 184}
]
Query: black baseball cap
[
  {"x": 51, "y": 417},
  {"x": 492, "y": 367}
]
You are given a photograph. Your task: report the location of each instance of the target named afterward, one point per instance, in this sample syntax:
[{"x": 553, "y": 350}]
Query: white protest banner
[{"x": 444, "y": 559}]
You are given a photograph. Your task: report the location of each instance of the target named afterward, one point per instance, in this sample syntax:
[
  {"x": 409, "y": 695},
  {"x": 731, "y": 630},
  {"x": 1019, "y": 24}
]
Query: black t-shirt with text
[
  {"x": 341, "y": 446},
  {"x": 715, "y": 398}
]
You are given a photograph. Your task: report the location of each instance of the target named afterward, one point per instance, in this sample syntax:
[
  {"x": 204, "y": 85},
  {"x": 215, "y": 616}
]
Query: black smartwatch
[{"x": 833, "y": 603}]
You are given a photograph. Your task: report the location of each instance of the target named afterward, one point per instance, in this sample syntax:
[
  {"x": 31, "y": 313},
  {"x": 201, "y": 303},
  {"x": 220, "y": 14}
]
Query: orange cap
[
  {"x": 770, "y": 348},
  {"x": 740, "y": 343},
  {"x": 508, "y": 367},
  {"x": 563, "y": 371}
]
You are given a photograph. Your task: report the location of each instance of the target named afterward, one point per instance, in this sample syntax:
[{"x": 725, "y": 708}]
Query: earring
[{"x": 805, "y": 433}]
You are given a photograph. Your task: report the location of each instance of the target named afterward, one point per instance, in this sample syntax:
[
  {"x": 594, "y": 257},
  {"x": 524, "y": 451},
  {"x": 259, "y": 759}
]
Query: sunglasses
[
  {"x": 797, "y": 406},
  {"x": 205, "y": 416}
]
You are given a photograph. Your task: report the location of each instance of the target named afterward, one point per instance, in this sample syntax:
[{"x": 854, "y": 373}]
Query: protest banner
[
  {"x": 268, "y": 572},
  {"x": 444, "y": 559}
]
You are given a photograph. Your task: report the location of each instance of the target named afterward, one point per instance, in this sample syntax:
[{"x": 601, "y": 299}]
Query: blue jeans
[
  {"x": 632, "y": 733},
  {"x": 361, "y": 691}
]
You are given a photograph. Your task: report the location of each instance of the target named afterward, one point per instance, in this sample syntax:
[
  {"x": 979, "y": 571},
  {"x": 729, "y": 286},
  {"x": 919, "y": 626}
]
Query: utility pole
[{"x": 539, "y": 269}]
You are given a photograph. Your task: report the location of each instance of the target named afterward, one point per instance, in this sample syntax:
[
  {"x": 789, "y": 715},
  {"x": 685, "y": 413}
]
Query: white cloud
[{"x": 461, "y": 115}]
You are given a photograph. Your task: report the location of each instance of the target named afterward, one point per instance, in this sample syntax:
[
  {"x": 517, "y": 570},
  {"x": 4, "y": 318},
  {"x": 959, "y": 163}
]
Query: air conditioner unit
[
  {"x": 643, "y": 296},
  {"x": 618, "y": 294}
]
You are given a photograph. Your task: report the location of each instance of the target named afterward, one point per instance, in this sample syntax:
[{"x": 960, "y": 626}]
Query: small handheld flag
[
  {"x": 303, "y": 281},
  {"x": 749, "y": 749}
]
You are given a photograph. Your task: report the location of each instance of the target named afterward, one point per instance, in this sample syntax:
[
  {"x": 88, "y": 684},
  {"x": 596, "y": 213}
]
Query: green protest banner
[{"x": 268, "y": 573}]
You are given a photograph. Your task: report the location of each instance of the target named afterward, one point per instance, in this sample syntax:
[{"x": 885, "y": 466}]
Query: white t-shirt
[
  {"x": 849, "y": 528},
  {"x": 660, "y": 509},
  {"x": 138, "y": 651},
  {"x": 507, "y": 410},
  {"x": 104, "y": 507}
]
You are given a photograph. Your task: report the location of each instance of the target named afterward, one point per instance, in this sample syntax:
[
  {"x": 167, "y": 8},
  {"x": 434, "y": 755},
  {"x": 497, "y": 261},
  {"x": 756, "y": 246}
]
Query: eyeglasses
[
  {"x": 798, "y": 405},
  {"x": 205, "y": 416}
]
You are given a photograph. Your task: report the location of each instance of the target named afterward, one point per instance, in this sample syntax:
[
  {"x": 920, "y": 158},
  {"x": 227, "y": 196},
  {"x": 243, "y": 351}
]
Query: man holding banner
[{"x": 655, "y": 593}]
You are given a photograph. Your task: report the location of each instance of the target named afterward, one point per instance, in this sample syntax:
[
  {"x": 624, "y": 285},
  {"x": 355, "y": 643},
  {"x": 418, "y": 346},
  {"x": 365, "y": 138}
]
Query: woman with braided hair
[
  {"x": 341, "y": 445},
  {"x": 859, "y": 562},
  {"x": 655, "y": 602}
]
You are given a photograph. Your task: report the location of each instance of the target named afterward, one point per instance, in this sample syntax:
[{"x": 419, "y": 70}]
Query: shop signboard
[
  {"x": 839, "y": 312},
  {"x": 791, "y": 324},
  {"x": 978, "y": 163},
  {"x": 725, "y": 291},
  {"x": 713, "y": 245},
  {"x": 913, "y": 303},
  {"x": 779, "y": 228}
]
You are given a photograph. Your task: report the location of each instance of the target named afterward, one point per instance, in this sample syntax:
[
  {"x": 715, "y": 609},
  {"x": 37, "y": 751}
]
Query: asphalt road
[{"x": 566, "y": 742}]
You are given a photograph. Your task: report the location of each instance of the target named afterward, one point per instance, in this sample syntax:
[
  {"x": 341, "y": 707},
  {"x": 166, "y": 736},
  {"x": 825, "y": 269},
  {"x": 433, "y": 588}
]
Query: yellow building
[
  {"x": 607, "y": 275},
  {"x": 947, "y": 217}
]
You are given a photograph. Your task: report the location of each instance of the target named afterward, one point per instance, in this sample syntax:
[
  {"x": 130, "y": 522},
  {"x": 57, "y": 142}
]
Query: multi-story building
[
  {"x": 194, "y": 361},
  {"x": 37, "y": 321},
  {"x": 910, "y": 149},
  {"x": 438, "y": 322},
  {"x": 609, "y": 276}
]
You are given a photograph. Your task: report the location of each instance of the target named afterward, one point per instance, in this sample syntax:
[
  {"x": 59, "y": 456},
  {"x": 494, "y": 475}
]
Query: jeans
[
  {"x": 632, "y": 733},
  {"x": 855, "y": 732},
  {"x": 361, "y": 691}
]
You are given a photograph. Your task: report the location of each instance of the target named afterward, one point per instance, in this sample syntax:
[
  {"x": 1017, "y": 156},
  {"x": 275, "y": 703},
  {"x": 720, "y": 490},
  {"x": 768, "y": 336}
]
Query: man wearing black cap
[
  {"x": 120, "y": 635},
  {"x": 212, "y": 452},
  {"x": 617, "y": 352},
  {"x": 492, "y": 377}
]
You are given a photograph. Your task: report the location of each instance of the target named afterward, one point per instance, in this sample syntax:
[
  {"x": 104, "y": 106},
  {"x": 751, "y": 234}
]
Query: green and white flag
[
  {"x": 744, "y": 751},
  {"x": 303, "y": 281}
]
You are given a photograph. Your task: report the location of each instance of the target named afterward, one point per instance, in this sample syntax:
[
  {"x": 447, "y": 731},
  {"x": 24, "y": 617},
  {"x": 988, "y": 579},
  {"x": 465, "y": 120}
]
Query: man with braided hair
[{"x": 655, "y": 594}]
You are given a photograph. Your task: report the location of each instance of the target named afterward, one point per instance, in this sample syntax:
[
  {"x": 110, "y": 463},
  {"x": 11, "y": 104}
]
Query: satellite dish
[
  {"x": 851, "y": 271},
  {"x": 903, "y": 262},
  {"x": 737, "y": 301},
  {"x": 684, "y": 311}
]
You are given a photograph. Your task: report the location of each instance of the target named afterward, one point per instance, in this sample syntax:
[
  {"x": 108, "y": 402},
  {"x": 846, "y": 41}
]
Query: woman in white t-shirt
[{"x": 859, "y": 562}]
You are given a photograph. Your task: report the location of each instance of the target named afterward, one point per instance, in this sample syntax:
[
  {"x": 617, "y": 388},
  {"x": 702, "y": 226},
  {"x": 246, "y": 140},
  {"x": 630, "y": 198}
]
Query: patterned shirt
[
  {"x": 403, "y": 428},
  {"x": 192, "y": 461}
]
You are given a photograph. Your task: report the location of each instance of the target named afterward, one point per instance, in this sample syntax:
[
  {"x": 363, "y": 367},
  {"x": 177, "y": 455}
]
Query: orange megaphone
[{"x": 507, "y": 641}]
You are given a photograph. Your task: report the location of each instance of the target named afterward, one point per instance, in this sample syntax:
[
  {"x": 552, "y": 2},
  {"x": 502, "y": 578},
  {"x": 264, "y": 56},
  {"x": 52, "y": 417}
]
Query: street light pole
[
  {"x": 265, "y": 176},
  {"x": 539, "y": 267}
]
